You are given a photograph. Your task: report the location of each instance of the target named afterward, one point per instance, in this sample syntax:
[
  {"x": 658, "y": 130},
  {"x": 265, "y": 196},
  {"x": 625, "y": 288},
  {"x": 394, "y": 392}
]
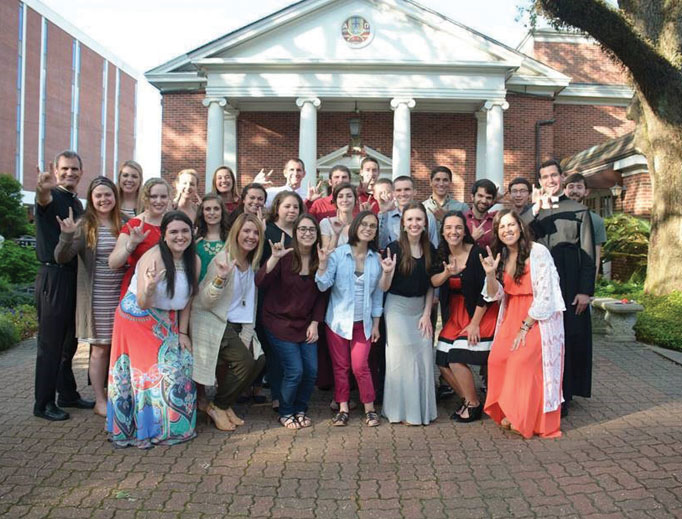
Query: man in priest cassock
[{"x": 565, "y": 228}]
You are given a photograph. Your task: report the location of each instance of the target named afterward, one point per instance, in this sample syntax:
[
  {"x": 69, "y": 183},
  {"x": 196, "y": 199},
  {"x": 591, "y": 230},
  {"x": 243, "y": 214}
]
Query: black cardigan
[{"x": 473, "y": 277}]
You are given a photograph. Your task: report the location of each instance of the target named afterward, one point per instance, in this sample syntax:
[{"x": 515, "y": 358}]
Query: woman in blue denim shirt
[{"x": 353, "y": 272}]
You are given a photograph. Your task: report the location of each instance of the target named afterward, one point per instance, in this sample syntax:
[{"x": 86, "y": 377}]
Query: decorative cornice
[
  {"x": 488, "y": 105},
  {"x": 208, "y": 100},
  {"x": 407, "y": 101},
  {"x": 315, "y": 101}
]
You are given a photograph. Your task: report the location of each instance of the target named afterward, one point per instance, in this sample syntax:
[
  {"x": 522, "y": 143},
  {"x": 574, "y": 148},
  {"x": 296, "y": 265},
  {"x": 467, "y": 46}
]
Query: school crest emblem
[{"x": 357, "y": 31}]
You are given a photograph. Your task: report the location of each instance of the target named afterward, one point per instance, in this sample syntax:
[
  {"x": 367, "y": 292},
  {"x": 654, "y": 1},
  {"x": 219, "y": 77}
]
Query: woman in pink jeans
[{"x": 353, "y": 272}]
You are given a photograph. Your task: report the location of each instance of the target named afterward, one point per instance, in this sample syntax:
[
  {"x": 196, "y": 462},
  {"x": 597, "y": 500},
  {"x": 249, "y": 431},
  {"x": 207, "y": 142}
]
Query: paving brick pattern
[{"x": 620, "y": 456}]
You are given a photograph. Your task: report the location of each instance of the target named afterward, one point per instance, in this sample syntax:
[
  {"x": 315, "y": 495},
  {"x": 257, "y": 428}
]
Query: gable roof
[{"x": 487, "y": 52}]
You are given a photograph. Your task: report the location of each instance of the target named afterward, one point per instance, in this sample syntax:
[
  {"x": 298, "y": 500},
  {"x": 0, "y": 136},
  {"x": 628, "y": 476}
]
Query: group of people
[{"x": 177, "y": 292}]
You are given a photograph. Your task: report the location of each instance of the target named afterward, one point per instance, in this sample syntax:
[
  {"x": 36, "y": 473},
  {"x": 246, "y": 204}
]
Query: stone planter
[{"x": 614, "y": 319}]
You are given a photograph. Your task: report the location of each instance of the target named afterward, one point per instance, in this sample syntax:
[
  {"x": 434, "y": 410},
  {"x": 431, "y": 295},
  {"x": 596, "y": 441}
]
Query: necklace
[{"x": 243, "y": 279}]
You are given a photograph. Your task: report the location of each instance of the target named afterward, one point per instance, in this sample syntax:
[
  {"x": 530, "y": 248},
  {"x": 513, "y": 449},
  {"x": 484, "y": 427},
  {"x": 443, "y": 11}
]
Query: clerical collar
[{"x": 73, "y": 194}]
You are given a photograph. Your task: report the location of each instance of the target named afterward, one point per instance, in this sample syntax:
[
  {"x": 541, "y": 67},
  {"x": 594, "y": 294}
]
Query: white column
[
  {"x": 230, "y": 138},
  {"x": 307, "y": 138},
  {"x": 402, "y": 142},
  {"x": 482, "y": 123},
  {"x": 494, "y": 141},
  {"x": 214, "y": 137}
]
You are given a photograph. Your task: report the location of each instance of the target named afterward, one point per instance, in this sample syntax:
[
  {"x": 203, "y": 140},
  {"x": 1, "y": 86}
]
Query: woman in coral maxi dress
[{"x": 526, "y": 359}]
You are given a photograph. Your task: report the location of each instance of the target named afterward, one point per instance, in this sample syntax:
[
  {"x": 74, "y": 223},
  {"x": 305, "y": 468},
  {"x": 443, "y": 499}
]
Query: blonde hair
[
  {"x": 188, "y": 171},
  {"x": 231, "y": 245},
  {"x": 146, "y": 190},
  {"x": 133, "y": 165}
]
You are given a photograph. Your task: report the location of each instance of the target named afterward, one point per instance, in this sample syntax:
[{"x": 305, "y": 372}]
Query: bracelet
[{"x": 218, "y": 282}]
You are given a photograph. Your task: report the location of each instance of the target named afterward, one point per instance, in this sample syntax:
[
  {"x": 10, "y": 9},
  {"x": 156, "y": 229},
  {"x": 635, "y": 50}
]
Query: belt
[{"x": 64, "y": 266}]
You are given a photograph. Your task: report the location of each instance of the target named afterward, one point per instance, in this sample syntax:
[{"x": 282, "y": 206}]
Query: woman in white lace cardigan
[{"x": 526, "y": 359}]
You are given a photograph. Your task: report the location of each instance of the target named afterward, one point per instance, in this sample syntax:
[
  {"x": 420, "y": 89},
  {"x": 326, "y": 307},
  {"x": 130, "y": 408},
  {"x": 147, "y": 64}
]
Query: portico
[{"x": 359, "y": 56}]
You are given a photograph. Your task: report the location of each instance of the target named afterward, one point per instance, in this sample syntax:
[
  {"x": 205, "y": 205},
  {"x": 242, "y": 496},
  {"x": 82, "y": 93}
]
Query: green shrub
[
  {"x": 660, "y": 322},
  {"x": 628, "y": 240},
  {"x": 9, "y": 335},
  {"x": 618, "y": 289},
  {"x": 18, "y": 264},
  {"x": 15, "y": 295},
  {"x": 13, "y": 216},
  {"x": 24, "y": 318}
]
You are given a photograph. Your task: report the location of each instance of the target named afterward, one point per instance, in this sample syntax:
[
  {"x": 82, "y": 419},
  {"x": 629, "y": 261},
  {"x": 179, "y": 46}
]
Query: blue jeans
[{"x": 299, "y": 371}]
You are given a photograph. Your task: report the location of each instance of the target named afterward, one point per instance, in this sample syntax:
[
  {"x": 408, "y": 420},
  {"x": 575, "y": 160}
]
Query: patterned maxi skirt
[{"x": 151, "y": 395}]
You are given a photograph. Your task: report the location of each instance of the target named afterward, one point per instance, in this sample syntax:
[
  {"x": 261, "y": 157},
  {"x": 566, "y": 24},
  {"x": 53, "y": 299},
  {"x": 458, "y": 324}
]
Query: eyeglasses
[
  {"x": 370, "y": 226},
  {"x": 307, "y": 230},
  {"x": 519, "y": 191}
]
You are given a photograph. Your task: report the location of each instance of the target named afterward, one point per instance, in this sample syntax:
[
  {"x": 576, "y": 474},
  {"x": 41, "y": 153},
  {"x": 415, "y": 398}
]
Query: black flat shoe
[
  {"x": 51, "y": 413},
  {"x": 79, "y": 403}
]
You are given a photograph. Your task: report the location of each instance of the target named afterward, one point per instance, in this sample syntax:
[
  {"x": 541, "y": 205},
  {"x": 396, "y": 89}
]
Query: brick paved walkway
[{"x": 621, "y": 456}]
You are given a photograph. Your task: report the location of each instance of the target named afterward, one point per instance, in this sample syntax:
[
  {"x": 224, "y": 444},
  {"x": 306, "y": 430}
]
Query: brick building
[
  {"x": 61, "y": 90},
  {"x": 330, "y": 81}
]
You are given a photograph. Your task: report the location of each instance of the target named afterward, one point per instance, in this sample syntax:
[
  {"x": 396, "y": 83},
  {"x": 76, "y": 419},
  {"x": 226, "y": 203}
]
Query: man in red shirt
[
  {"x": 369, "y": 172},
  {"x": 479, "y": 218},
  {"x": 323, "y": 207}
]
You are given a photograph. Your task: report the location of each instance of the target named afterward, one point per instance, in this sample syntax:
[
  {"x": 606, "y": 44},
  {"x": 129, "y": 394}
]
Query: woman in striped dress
[{"x": 92, "y": 238}]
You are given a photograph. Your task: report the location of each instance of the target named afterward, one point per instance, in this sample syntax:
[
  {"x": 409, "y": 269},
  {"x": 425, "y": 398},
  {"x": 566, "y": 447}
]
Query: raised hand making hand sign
[
  {"x": 490, "y": 263},
  {"x": 68, "y": 225}
]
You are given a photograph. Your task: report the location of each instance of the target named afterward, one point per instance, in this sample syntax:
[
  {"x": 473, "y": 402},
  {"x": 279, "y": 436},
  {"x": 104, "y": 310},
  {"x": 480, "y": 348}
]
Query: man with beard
[
  {"x": 575, "y": 188},
  {"x": 479, "y": 218},
  {"x": 565, "y": 228}
]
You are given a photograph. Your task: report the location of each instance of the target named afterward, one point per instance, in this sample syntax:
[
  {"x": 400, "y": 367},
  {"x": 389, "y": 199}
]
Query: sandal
[
  {"x": 340, "y": 419},
  {"x": 289, "y": 422},
  {"x": 303, "y": 420},
  {"x": 372, "y": 419},
  {"x": 474, "y": 413}
]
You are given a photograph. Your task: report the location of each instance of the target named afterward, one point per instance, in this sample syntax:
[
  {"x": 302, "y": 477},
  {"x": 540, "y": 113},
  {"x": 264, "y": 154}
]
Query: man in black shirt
[{"x": 56, "y": 291}]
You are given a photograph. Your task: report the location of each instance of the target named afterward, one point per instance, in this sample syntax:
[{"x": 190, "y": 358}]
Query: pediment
[
  {"x": 393, "y": 34},
  {"x": 401, "y": 31}
]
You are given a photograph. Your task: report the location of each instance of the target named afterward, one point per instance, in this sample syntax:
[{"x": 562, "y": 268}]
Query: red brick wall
[
  {"x": 442, "y": 139},
  {"x": 58, "y": 94},
  {"x": 126, "y": 119},
  {"x": 183, "y": 137},
  {"x": 9, "y": 39},
  {"x": 111, "y": 119},
  {"x": 579, "y": 127},
  {"x": 583, "y": 62},
  {"x": 267, "y": 140},
  {"x": 519, "y": 135},
  {"x": 32, "y": 98},
  {"x": 637, "y": 198},
  {"x": 90, "y": 109}
]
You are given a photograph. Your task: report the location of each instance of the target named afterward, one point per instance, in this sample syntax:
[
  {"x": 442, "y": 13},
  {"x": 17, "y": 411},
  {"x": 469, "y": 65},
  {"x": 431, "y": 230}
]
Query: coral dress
[{"x": 515, "y": 378}]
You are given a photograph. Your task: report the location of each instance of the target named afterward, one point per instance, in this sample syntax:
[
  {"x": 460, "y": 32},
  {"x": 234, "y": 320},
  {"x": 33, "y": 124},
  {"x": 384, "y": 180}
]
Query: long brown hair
[
  {"x": 233, "y": 191},
  {"x": 90, "y": 220},
  {"x": 202, "y": 226},
  {"x": 297, "y": 262},
  {"x": 525, "y": 243},
  {"x": 407, "y": 262}
]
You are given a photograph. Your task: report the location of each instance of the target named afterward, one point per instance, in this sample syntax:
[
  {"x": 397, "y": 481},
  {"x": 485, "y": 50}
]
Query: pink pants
[{"x": 346, "y": 354}]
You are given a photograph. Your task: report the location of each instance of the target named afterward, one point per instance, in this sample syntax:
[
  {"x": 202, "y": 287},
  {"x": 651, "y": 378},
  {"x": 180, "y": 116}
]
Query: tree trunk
[{"x": 662, "y": 144}]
